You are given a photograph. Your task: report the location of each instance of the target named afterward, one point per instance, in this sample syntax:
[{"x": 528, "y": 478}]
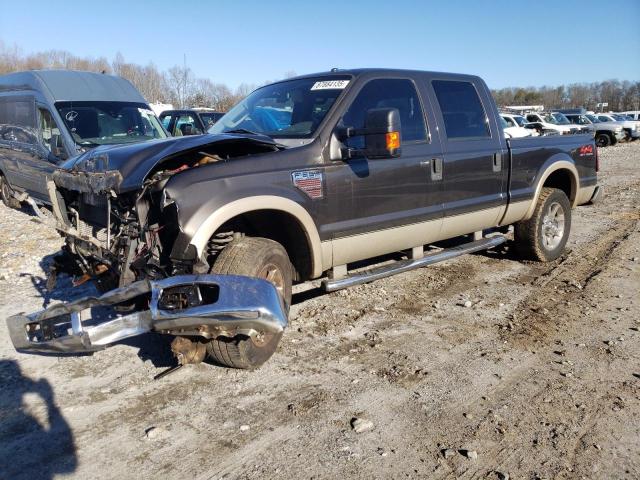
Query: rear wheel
[
  {"x": 253, "y": 257},
  {"x": 544, "y": 236},
  {"x": 6, "y": 192},
  {"x": 603, "y": 140}
]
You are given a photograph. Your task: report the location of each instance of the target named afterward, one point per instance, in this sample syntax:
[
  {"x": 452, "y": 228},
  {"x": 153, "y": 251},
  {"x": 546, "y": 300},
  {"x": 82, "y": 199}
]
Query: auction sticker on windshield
[{"x": 330, "y": 84}]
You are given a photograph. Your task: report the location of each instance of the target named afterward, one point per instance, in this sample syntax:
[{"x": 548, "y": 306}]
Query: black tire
[
  {"x": 539, "y": 237},
  {"x": 253, "y": 257},
  {"x": 603, "y": 140},
  {"x": 6, "y": 192}
]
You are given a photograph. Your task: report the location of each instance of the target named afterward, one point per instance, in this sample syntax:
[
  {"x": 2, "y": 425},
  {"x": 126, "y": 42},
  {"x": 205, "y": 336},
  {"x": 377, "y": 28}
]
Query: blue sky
[{"x": 509, "y": 43}]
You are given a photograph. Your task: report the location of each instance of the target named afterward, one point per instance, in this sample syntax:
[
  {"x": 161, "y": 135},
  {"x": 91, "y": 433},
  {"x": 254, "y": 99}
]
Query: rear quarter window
[{"x": 462, "y": 111}]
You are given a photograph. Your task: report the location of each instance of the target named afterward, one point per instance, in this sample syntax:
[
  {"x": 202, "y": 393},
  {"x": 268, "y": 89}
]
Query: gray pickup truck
[{"x": 299, "y": 181}]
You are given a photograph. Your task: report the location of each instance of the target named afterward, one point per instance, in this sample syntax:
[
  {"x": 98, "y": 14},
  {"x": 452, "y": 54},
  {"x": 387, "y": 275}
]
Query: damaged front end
[
  {"x": 119, "y": 224},
  {"x": 200, "y": 306}
]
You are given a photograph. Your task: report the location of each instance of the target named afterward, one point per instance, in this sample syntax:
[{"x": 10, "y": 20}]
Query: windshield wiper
[{"x": 244, "y": 130}]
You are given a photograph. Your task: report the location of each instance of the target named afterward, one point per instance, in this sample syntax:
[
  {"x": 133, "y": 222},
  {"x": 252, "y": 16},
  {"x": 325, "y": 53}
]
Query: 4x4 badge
[{"x": 309, "y": 181}]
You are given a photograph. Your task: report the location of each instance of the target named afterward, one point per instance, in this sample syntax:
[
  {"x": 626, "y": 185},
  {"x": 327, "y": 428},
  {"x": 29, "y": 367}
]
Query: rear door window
[
  {"x": 462, "y": 111},
  {"x": 388, "y": 93}
]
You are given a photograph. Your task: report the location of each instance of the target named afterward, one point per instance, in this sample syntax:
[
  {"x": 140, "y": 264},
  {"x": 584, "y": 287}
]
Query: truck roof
[
  {"x": 72, "y": 85},
  {"x": 383, "y": 72}
]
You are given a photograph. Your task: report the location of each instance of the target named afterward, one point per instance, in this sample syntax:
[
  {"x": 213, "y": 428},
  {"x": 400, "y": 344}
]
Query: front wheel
[
  {"x": 6, "y": 192},
  {"x": 603, "y": 140},
  {"x": 252, "y": 257},
  {"x": 544, "y": 236}
]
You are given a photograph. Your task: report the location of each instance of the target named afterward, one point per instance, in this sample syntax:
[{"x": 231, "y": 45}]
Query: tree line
[
  {"x": 620, "y": 95},
  {"x": 180, "y": 87}
]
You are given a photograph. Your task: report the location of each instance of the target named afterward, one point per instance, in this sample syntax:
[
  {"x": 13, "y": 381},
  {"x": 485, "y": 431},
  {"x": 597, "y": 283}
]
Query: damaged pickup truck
[{"x": 300, "y": 180}]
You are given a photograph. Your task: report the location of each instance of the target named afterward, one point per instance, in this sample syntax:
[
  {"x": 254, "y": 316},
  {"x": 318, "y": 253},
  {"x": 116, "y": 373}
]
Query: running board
[{"x": 405, "y": 265}]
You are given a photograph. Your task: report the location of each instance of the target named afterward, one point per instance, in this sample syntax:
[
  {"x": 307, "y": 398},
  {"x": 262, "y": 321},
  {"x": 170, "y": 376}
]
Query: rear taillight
[{"x": 597, "y": 160}]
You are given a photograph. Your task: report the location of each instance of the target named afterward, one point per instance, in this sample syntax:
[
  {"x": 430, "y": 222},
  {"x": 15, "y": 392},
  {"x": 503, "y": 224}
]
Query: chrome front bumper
[{"x": 227, "y": 305}]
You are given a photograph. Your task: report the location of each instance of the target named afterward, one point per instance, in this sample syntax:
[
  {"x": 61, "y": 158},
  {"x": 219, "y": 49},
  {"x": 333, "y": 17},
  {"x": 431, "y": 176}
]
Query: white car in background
[
  {"x": 515, "y": 128},
  {"x": 631, "y": 127},
  {"x": 554, "y": 121},
  {"x": 634, "y": 114}
]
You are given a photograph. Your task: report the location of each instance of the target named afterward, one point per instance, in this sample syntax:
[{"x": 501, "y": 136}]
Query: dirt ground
[{"x": 538, "y": 378}]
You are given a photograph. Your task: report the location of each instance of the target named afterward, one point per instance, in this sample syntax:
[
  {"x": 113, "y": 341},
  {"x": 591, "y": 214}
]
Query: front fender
[{"x": 229, "y": 210}]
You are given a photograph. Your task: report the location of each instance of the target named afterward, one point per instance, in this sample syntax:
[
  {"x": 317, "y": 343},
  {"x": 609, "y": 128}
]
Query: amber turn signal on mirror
[{"x": 393, "y": 140}]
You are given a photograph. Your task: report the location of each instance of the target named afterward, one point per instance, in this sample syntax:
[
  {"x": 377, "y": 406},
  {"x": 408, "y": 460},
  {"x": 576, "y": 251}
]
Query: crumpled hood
[{"x": 135, "y": 161}]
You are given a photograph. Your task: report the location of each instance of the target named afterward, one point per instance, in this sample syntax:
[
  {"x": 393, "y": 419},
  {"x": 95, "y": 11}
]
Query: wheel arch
[
  {"x": 561, "y": 174},
  {"x": 282, "y": 213}
]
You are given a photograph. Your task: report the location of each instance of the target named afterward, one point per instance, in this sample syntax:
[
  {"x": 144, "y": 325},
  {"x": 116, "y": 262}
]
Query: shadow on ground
[{"x": 35, "y": 439}]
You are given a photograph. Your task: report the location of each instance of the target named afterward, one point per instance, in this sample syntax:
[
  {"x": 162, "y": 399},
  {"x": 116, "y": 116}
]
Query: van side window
[
  {"x": 388, "y": 93},
  {"x": 462, "y": 110},
  {"x": 48, "y": 127},
  {"x": 17, "y": 122}
]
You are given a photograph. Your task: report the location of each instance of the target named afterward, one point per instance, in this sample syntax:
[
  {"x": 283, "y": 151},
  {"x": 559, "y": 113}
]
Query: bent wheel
[{"x": 252, "y": 257}]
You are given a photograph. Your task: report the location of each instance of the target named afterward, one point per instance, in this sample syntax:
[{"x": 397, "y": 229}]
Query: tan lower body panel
[
  {"x": 516, "y": 212},
  {"x": 369, "y": 245},
  {"x": 585, "y": 194}
]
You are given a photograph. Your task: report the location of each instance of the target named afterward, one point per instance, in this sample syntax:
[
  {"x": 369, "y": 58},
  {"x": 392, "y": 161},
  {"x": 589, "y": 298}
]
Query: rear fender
[{"x": 553, "y": 165}]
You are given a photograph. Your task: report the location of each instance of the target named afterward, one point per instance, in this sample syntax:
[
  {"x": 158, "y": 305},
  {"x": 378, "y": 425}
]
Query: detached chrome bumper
[{"x": 226, "y": 305}]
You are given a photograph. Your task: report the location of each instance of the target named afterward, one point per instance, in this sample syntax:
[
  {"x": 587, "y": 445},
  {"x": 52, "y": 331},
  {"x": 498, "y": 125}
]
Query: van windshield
[
  {"x": 109, "y": 123},
  {"x": 290, "y": 109}
]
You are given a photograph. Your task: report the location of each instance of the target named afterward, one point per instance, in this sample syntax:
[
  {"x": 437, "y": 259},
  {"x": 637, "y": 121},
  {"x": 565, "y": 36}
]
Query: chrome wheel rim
[{"x": 553, "y": 226}]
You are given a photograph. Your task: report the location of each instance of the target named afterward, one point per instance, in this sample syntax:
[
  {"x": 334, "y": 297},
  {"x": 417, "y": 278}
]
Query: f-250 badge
[{"x": 310, "y": 182}]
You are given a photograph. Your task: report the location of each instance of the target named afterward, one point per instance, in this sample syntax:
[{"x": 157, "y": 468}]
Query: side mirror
[
  {"x": 57, "y": 147},
  {"x": 381, "y": 133}
]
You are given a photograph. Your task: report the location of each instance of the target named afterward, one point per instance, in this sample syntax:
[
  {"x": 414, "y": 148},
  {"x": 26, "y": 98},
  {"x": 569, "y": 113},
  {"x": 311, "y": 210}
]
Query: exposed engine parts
[{"x": 116, "y": 238}]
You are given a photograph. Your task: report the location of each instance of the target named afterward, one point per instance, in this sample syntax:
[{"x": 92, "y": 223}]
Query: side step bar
[{"x": 401, "y": 266}]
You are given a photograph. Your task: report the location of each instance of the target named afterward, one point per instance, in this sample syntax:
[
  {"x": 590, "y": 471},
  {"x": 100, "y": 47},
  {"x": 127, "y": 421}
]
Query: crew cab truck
[
  {"x": 48, "y": 116},
  {"x": 300, "y": 180}
]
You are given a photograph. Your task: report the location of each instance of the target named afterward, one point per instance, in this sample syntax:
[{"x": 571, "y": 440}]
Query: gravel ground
[{"x": 481, "y": 367}]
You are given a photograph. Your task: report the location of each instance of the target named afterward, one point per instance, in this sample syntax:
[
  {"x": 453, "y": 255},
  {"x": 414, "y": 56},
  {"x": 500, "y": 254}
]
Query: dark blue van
[{"x": 48, "y": 116}]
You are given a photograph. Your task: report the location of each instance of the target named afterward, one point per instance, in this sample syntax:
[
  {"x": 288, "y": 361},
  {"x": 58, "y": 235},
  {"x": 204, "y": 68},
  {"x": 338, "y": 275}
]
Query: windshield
[
  {"x": 520, "y": 120},
  {"x": 109, "y": 123},
  {"x": 557, "y": 119},
  {"x": 593, "y": 118},
  {"x": 291, "y": 109}
]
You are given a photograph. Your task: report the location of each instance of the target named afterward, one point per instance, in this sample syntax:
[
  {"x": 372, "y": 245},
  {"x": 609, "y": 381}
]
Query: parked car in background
[
  {"x": 513, "y": 129},
  {"x": 634, "y": 114},
  {"x": 193, "y": 121},
  {"x": 47, "y": 116},
  {"x": 605, "y": 133},
  {"x": 631, "y": 127},
  {"x": 553, "y": 121}
]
